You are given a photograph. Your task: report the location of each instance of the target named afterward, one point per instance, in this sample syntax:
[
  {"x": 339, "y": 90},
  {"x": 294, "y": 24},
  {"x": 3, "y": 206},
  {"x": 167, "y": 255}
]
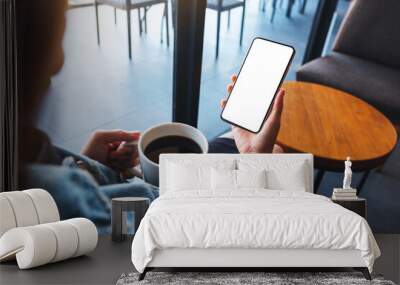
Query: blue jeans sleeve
[
  {"x": 134, "y": 188},
  {"x": 76, "y": 193},
  {"x": 222, "y": 145}
]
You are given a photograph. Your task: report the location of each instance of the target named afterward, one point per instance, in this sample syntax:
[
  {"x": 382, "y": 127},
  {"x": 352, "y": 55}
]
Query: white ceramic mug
[{"x": 150, "y": 168}]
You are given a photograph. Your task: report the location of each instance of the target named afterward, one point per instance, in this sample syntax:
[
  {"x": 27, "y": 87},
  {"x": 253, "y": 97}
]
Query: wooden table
[{"x": 332, "y": 124}]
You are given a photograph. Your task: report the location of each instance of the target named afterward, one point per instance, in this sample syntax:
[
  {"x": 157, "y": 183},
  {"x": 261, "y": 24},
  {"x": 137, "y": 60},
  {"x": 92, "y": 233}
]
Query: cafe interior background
[{"x": 101, "y": 87}]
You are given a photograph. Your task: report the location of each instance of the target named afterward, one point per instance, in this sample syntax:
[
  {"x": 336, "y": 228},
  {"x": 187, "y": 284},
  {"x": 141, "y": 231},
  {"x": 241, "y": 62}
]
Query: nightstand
[
  {"x": 357, "y": 205},
  {"x": 123, "y": 206}
]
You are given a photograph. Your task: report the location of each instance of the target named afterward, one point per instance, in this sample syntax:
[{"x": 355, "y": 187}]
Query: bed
[{"x": 246, "y": 211}]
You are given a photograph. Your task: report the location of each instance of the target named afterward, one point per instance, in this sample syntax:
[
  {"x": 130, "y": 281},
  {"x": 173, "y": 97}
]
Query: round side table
[
  {"x": 119, "y": 215},
  {"x": 332, "y": 124}
]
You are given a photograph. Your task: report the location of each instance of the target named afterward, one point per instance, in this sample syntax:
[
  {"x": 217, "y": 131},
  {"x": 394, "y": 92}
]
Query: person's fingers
[
  {"x": 116, "y": 135},
  {"x": 121, "y": 165},
  {"x": 134, "y": 161},
  {"x": 222, "y": 103},
  {"x": 233, "y": 78},
  {"x": 113, "y": 145},
  {"x": 125, "y": 162},
  {"x": 124, "y": 152},
  {"x": 121, "y": 153},
  {"x": 278, "y": 149},
  {"x": 229, "y": 88}
]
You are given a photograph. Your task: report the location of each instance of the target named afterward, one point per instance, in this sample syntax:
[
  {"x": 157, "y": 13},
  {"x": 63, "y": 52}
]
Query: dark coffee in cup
[
  {"x": 170, "y": 144},
  {"x": 167, "y": 138}
]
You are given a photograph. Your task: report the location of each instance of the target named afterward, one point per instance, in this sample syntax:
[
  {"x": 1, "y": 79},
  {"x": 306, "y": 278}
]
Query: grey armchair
[{"x": 366, "y": 56}]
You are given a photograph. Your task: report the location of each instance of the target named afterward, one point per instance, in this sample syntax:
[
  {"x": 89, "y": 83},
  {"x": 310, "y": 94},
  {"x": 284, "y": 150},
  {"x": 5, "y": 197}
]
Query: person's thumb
[
  {"x": 278, "y": 103},
  {"x": 272, "y": 124}
]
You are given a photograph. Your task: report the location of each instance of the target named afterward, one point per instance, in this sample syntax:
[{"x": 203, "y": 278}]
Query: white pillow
[
  {"x": 251, "y": 178},
  {"x": 237, "y": 179},
  {"x": 223, "y": 179},
  {"x": 282, "y": 174},
  {"x": 184, "y": 175}
]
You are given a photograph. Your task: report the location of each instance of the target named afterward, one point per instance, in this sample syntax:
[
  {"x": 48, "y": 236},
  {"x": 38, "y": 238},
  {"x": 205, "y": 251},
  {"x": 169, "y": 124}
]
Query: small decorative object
[
  {"x": 347, "y": 174},
  {"x": 344, "y": 194},
  {"x": 347, "y": 192},
  {"x": 125, "y": 209}
]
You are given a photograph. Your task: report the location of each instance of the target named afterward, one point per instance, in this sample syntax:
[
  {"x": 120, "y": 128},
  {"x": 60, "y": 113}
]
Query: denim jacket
[
  {"x": 88, "y": 193},
  {"x": 83, "y": 193}
]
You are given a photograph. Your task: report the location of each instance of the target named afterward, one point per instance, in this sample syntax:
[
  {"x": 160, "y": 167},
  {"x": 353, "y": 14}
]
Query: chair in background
[
  {"x": 290, "y": 3},
  {"x": 226, "y": 5},
  {"x": 73, "y": 4},
  {"x": 365, "y": 60},
  {"x": 128, "y": 5}
]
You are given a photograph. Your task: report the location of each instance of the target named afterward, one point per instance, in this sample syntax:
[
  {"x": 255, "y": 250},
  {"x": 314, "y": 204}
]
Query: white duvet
[{"x": 250, "y": 219}]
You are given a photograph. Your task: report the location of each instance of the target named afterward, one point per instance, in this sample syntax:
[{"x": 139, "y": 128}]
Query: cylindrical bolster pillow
[
  {"x": 7, "y": 218},
  {"x": 45, "y": 205},
  {"x": 33, "y": 246},
  {"x": 23, "y": 208},
  {"x": 87, "y": 235},
  {"x": 67, "y": 240},
  {"x": 26, "y": 208},
  {"x": 41, "y": 244}
]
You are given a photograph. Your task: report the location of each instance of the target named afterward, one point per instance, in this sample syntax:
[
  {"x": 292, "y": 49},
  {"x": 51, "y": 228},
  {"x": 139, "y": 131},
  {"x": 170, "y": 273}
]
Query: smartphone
[{"x": 262, "y": 72}]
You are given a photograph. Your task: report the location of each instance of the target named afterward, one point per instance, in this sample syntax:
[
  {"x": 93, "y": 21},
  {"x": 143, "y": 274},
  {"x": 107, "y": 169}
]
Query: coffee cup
[{"x": 166, "y": 133}]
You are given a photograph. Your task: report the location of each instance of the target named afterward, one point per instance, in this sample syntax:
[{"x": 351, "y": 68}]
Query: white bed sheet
[{"x": 250, "y": 219}]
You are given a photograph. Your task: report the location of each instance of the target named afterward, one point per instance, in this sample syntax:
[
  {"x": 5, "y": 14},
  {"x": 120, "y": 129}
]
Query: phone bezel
[{"x": 276, "y": 91}]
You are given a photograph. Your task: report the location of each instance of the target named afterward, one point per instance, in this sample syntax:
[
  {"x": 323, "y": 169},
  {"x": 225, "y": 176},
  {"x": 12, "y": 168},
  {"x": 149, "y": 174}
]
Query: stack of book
[{"x": 344, "y": 194}]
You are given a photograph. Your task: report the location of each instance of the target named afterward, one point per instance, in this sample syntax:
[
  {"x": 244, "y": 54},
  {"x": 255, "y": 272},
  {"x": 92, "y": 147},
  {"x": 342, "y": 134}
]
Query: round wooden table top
[{"x": 332, "y": 124}]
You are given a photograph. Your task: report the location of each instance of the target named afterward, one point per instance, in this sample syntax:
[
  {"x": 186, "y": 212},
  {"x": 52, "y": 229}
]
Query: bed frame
[
  {"x": 245, "y": 259},
  {"x": 242, "y": 259}
]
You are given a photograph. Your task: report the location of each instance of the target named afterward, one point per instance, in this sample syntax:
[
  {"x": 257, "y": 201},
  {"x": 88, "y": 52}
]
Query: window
[
  {"x": 99, "y": 87},
  {"x": 282, "y": 21}
]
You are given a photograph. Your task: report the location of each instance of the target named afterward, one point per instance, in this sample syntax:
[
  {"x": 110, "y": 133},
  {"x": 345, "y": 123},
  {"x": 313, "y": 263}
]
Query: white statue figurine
[{"x": 347, "y": 174}]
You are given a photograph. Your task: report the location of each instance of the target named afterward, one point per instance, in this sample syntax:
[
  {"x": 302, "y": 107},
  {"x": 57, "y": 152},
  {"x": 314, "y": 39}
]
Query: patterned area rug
[{"x": 242, "y": 278}]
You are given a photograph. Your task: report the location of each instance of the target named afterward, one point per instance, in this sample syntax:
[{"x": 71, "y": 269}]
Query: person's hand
[
  {"x": 264, "y": 141},
  {"x": 112, "y": 148}
]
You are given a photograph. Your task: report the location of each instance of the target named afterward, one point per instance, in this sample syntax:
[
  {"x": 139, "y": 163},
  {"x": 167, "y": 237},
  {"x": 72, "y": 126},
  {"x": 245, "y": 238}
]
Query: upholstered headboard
[{"x": 210, "y": 159}]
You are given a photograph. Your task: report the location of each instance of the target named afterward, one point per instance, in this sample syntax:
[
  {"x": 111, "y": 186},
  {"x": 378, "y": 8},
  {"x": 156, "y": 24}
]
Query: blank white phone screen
[{"x": 257, "y": 83}]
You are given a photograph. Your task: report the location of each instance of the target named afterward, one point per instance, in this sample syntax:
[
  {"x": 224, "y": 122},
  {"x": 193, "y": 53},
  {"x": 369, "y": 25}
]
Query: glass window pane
[
  {"x": 99, "y": 87},
  {"x": 270, "y": 21}
]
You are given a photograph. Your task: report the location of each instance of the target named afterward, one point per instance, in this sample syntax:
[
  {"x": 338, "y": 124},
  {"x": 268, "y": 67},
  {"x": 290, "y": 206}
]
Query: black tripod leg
[
  {"x": 318, "y": 179},
  {"x": 362, "y": 182}
]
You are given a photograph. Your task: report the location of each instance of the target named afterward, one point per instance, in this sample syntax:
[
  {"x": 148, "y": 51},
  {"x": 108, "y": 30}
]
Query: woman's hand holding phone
[{"x": 264, "y": 141}]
